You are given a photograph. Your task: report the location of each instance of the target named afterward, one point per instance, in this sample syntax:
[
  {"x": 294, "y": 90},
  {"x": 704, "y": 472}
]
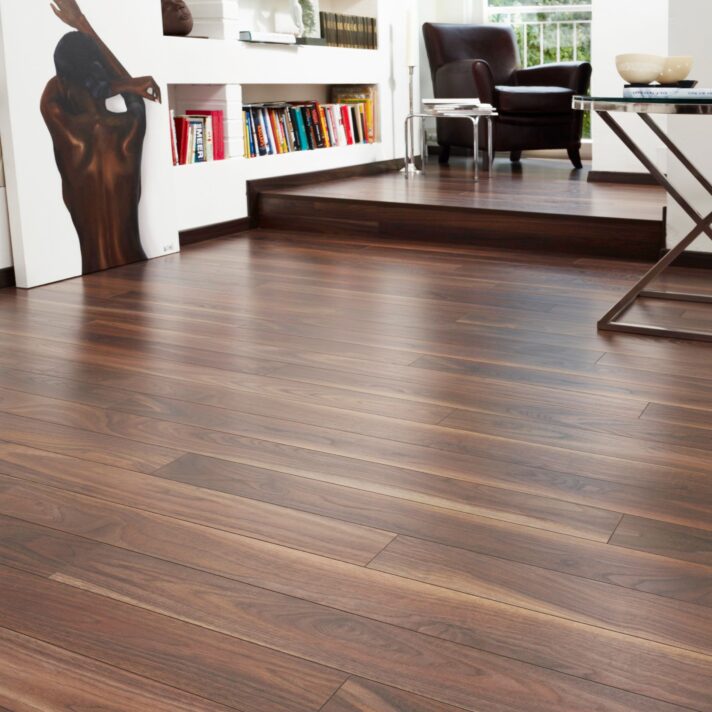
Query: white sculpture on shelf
[{"x": 298, "y": 17}]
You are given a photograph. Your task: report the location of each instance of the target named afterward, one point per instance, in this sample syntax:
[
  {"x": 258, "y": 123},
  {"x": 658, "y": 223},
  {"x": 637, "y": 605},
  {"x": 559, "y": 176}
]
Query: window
[{"x": 547, "y": 30}]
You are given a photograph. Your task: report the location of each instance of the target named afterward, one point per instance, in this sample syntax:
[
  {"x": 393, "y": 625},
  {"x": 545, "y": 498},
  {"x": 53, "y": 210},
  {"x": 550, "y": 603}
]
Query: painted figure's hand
[
  {"x": 145, "y": 87},
  {"x": 148, "y": 88},
  {"x": 68, "y": 12}
]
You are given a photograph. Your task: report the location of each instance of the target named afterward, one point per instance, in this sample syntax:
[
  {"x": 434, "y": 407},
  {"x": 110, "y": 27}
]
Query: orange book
[{"x": 324, "y": 127}]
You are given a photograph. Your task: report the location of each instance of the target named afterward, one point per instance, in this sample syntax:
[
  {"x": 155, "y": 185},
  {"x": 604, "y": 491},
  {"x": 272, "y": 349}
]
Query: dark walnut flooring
[{"x": 286, "y": 473}]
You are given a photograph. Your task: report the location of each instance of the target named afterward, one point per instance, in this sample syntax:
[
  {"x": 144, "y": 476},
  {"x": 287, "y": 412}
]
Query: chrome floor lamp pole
[{"x": 410, "y": 166}]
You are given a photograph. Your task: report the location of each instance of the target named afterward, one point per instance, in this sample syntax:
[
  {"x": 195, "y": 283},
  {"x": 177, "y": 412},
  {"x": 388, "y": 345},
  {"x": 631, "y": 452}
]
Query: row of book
[
  {"x": 284, "y": 127},
  {"x": 197, "y": 136},
  {"x": 349, "y": 30}
]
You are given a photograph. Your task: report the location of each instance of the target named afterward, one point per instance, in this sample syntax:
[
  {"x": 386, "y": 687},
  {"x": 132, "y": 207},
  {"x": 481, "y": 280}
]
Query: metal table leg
[
  {"x": 703, "y": 225},
  {"x": 476, "y": 145}
]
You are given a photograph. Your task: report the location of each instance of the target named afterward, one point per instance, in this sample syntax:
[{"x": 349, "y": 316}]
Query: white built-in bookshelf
[
  {"x": 221, "y": 72},
  {"x": 214, "y": 70}
]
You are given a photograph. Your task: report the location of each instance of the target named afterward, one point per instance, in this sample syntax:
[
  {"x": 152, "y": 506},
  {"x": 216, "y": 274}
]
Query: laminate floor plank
[
  {"x": 36, "y": 677},
  {"x": 657, "y": 537},
  {"x": 589, "y": 560},
  {"x": 473, "y": 625},
  {"x": 220, "y": 433},
  {"x": 197, "y": 661},
  {"x": 250, "y": 517}
]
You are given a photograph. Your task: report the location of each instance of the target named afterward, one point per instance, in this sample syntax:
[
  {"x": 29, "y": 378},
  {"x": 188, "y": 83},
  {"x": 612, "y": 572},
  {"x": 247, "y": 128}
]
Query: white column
[
  {"x": 689, "y": 34},
  {"x": 621, "y": 27}
]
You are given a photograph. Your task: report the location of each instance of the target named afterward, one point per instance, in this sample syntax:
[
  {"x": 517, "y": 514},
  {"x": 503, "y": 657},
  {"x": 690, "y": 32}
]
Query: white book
[
  {"x": 268, "y": 37},
  {"x": 444, "y": 102},
  {"x": 340, "y": 128},
  {"x": 209, "y": 139}
]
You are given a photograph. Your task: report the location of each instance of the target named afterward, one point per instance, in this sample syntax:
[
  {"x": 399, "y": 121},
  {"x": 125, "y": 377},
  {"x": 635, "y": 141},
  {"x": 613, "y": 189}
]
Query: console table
[
  {"x": 473, "y": 115},
  {"x": 644, "y": 108}
]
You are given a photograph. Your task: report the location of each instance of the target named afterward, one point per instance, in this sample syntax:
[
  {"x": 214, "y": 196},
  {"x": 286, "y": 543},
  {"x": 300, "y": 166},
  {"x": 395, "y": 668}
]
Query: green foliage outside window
[{"x": 538, "y": 52}]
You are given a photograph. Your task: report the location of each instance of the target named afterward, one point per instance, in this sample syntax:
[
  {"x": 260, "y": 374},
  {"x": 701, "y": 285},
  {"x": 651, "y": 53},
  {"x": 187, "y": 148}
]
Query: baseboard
[
  {"x": 255, "y": 187},
  {"x": 621, "y": 177},
  {"x": 211, "y": 232},
  {"x": 693, "y": 258},
  {"x": 7, "y": 277}
]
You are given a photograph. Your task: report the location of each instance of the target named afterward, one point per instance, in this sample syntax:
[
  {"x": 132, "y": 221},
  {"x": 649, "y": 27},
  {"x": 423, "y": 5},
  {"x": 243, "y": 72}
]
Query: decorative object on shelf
[
  {"x": 310, "y": 18},
  {"x": 85, "y": 141},
  {"x": 177, "y": 18},
  {"x": 676, "y": 69},
  {"x": 298, "y": 17},
  {"x": 640, "y": 68}
]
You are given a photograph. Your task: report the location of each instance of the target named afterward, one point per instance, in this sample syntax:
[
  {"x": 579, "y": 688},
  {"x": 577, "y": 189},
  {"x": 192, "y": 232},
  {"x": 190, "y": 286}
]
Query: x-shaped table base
[{"x": 703, "y": 225}]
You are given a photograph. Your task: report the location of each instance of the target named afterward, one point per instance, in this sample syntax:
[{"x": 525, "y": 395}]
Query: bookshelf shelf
[{"x": 238, "y": 73}]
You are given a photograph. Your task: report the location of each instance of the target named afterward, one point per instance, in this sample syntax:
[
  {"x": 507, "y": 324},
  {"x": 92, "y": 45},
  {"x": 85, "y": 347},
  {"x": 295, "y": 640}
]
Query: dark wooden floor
[
  {"x": 281, "y": 473},
  {"x": 539, "y": 205}
]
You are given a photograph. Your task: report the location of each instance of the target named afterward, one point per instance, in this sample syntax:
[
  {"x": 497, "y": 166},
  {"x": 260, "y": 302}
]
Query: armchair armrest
[
  {"x": 484, "y": 79},
  {"x": 570, "y": 75}
]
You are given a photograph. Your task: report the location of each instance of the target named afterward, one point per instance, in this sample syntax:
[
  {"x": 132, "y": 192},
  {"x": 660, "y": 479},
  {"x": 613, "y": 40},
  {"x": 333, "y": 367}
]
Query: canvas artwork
[{"x": 85, "y": 139}]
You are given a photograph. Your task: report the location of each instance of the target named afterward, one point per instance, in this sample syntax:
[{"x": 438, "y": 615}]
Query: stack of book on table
[
  {"x": 653, "y": 91},
  {"x": 349, "y": 30},
  {"x": 455, "y": 105},
  {"x": 284, "y": 127},
  {"x": 197, "y": 137}
]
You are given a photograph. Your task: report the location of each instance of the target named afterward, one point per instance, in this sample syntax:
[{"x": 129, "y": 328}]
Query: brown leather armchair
[{"x": 534, "y": 104}]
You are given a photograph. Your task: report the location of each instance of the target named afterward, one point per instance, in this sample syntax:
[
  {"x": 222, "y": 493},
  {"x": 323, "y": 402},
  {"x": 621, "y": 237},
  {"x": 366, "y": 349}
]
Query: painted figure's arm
[{"x": 69, "y": 12}]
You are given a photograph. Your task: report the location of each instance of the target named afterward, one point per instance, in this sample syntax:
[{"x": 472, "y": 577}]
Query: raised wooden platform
[{"x": 541, "y": 205}]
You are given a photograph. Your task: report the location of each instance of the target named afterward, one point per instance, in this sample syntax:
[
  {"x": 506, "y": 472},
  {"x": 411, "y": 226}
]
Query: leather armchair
[{"x": 534, "y": 104}]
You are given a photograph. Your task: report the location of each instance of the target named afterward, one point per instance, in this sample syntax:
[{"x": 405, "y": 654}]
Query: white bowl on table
[
  {"x": 640, "y": 68},
  {"x": 676, "y": 69}
]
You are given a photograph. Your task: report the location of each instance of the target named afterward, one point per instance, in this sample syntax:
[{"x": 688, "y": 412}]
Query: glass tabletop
[{"x": 643, "y": 106}]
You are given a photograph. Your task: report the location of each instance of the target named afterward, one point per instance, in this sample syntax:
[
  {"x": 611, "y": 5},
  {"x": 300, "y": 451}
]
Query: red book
[
  {"x": 218, "y": 131},
  {"x": 346, "y": 118},
  {"x": 183, "y": 138}
]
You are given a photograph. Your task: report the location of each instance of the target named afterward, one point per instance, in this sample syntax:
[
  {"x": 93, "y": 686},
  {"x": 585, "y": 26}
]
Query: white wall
[
  {"x": 621, "y": 26},
  {"x": 459, "y": 11},
  {"x": 690, "y": 22}
]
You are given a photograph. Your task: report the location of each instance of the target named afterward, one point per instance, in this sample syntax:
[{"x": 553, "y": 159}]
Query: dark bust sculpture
[{"x": 177, "y": 18}]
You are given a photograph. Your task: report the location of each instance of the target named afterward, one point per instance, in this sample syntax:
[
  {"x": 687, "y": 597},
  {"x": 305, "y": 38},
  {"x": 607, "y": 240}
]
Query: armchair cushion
[
  {"x": 572, "y": 75},
  {"x": 533, "y": 100}
]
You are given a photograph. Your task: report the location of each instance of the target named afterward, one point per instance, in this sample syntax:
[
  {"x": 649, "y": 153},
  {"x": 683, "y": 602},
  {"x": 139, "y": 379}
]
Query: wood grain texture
[
  {"x": 585, "y": 219},
  {"x": 359, "y": 695},
  {"x": 287, "y": 472},
  {"x": 220, "y": 668},
  {"x": 374, "y": 598},
  {"x": 665, "y": 539},
  {"x": 36, "y": 677}
]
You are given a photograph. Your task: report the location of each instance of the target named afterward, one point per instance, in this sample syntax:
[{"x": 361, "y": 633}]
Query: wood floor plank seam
[
  {"x": 535, "y": 566},
  {"x": 186, "y": 622},
  {"x": 535, "y": 446},
  {"x": 411, "y": 535},
  {"x": 388, "y": 625},
  {"x": 389, "y": 574},
  {"x": 615, "y": 529},
  {"x": 392, "y": 535},
  {"x": 103, "y": 663},
  {"x": 479, "y": 516}
]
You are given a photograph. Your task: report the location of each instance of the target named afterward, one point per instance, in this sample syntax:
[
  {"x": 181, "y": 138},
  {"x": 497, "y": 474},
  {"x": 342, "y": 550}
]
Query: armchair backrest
[{"x": 496, "y": 44}]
